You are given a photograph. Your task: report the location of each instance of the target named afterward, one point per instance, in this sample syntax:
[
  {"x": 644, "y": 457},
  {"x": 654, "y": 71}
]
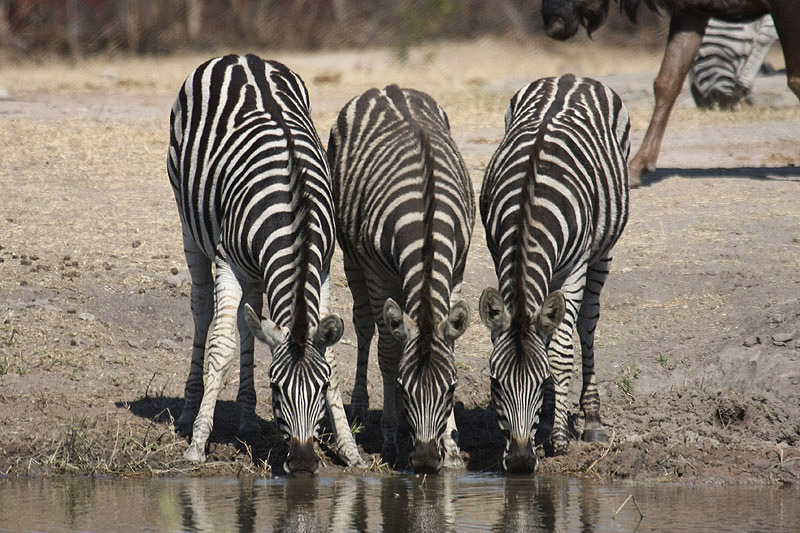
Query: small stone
[
  {"x": 179, "y": 278},
  {"x": 169, "y": 345},
  {"x": 136, "y": 243},
  {"x": 781, "y": 339},
  {"x": 88, "y": 317},
  {"x": 134, "y": 344},
  {"x": 752, "y": 341}
]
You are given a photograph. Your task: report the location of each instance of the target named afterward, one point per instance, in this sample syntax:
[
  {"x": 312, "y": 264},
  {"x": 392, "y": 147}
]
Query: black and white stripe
[
  {"x": 405, "y": 211},
  {"x": 729, "y": 59},
  {"x": 252, "y": 185},
  {"x": 554, "y": 201}
]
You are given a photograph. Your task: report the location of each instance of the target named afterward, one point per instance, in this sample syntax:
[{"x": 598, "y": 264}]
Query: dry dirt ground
[{"x": 698, "y": 353}]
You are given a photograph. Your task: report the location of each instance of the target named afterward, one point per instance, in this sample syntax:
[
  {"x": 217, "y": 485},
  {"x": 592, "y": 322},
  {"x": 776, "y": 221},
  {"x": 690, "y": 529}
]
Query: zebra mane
[{"x": 301, "y": 231}]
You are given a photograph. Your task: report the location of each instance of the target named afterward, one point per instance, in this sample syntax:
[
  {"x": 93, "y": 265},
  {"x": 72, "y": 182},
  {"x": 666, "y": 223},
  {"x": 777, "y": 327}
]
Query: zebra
[
  {"x": 730, "y": 57},
  {"x": 554, "y": 201},
  {"x": 252, "y": 186},
  {"x": 404, "y": 217}
]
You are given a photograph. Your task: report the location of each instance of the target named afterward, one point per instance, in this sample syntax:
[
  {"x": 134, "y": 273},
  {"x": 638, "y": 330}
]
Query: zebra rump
[
  {"x": 405, "y": 213},
  {"x": 554, "y": 201},
  {"x": 252, "y": 186}
]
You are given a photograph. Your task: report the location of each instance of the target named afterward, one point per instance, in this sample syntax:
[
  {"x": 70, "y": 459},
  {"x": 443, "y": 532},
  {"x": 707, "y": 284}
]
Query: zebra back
[
  {"x": 244, "y": 159},
  {"x": 565, "y": 146},
  {"x": 393, "y": 162}
]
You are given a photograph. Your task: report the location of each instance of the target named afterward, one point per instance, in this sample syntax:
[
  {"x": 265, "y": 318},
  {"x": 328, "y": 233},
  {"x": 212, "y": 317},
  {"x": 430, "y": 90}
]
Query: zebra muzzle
[
  {"x": 426, "y": 458},
  {"x": 302, "y": 459},
  {"x": 520, "y": 458}
]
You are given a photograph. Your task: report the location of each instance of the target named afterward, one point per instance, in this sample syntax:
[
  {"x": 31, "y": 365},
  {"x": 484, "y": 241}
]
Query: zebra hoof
[
  {"x": 356, "y": 462},
  {"x": 594, "y": 435},
  {"x": 559, "y": 447},
  {"x": 194, "y": 455},
  {"x": 453, "y": 461}
]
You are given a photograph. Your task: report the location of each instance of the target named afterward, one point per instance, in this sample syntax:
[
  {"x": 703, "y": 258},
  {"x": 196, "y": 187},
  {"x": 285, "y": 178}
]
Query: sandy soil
[{"x": 698, "y": 346}]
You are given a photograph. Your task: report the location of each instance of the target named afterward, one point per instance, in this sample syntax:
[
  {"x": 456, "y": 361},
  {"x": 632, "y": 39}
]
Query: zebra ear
[
  {"x": 328, "y": 331},
  {"x": 395, "y": 319},
  {"x": 265, "y": 329},
  {"x": 492, "y": 310},
  {"x": 456, "y": 322},
  {"x": 550, "y": 315}
]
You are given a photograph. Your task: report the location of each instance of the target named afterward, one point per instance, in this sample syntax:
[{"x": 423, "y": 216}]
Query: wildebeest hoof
[{"x": 194, "y": 454}]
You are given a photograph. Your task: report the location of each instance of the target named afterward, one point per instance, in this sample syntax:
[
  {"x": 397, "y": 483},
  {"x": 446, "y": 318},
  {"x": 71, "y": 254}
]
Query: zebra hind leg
[
  {"x": 560, "y": 353},
  {"x": 593, "y": 429},
  {"x": 202, "y": 305}
]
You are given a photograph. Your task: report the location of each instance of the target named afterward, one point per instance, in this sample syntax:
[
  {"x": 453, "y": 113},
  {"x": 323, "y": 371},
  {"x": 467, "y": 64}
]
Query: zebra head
[
  {"x": 426, "y": 377},
  {"x": 562, "y": 18},
  {"x": 521, "y": 388},
  {"x": 299, "y": 377}
]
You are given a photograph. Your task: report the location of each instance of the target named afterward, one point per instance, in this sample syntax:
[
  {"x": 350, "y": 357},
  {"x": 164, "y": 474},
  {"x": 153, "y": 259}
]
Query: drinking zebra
[
  {"x": 404, "y": 216},
  {"x": 729, "y": 59},
  {"x": 252, "y": 186},
  {"x": 554, "y": 201}
]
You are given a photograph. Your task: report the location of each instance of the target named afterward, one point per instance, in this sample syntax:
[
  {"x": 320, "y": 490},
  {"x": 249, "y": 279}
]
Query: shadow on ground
[{"x": 784, "y": 173}]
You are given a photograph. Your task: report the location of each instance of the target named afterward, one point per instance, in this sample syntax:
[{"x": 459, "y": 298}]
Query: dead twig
[
  {"x": 629, "y": 498},
  {"x": 610, "y": 444}
]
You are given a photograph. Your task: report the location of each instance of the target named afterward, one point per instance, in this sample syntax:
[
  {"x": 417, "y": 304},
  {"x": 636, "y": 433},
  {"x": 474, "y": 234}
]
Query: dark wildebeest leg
[
  {"x": 786, "y": 14},
  {"x": 685, "y": 34}
]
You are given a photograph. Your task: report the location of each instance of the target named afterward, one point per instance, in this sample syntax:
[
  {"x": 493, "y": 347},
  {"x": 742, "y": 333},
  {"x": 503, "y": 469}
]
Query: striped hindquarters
[
  {"x": 376, "y": 150},
  {"x": 576, "y": 132},
  {"x": 243, "y": 153},
  {"x": 730, "y": 57}
]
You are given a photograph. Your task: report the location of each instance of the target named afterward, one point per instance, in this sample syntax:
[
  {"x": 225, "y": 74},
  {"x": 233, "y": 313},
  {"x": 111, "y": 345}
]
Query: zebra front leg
[
  {"x": 389, "y": 352},
  {"x": 364, "y": 322},
  {"x": 249, "y": 427},
  {"x": 560, "y": 354},
  {"x": 345, "y": 441},
  {"x": 588, "y": 316},
  {"x": 452, "y": 455},
  {"x": 202, "y": 306},
  {"x": 220, "y": 353}
]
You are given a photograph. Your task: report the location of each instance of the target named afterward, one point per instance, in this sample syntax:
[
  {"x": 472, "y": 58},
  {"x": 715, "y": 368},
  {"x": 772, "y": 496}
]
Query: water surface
[{"x": 389, "y": 503}]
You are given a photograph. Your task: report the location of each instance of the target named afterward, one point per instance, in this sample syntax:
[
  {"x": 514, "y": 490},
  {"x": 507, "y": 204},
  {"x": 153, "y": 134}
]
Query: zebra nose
[
  {"x": 520, "y": 458},
  {"x": 302, "y": 459},
  {"x": 426, "y": 459}
]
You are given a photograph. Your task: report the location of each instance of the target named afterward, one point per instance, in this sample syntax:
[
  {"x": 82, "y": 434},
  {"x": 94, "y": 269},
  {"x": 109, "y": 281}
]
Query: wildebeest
[{"x": 689, "y": 18}]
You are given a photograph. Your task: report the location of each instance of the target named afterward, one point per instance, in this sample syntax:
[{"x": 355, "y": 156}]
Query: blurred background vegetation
[{"x": 77, "y": 28}]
